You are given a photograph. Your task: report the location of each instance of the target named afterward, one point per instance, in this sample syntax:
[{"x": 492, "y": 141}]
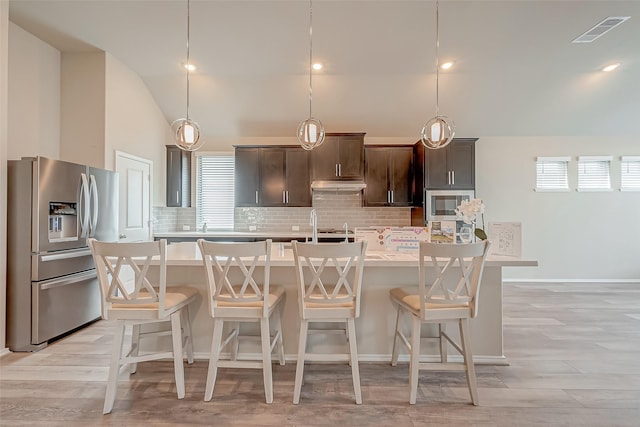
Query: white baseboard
[
  {"x": 4, "y": 352},
  {"x": 379, "y": 358},
  {"x": 505, "y": 281}
]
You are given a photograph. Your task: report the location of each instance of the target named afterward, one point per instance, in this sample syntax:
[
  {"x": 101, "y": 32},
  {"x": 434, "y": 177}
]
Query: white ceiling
[{"x": 516, "y": 74}]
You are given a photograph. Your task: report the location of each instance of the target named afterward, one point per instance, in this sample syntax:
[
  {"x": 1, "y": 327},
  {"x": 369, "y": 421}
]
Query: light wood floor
[{"x": 575, "y": 361}]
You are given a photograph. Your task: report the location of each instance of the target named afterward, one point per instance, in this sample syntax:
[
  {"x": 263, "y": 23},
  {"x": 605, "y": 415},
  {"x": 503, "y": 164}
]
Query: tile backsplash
[{"x": 333, "y": 209}]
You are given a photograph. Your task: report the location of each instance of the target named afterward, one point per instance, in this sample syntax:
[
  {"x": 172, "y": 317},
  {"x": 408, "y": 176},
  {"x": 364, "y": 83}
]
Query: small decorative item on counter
[{"x": 469, "y": 211}]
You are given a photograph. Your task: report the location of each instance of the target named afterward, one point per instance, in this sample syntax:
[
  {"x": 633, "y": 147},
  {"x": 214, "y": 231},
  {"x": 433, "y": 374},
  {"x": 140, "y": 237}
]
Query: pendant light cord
[
  {"x": 188, "y": 58},
  {"x": 437, "y": 60},
  {"x": 310, "y": 55}
]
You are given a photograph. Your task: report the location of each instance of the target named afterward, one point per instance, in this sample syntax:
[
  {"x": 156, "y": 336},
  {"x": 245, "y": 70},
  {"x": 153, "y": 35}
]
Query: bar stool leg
[
  {"x": 302, "y": 344},
  {"x": 213, "y": 358},
  {"x": 355, "y": 372}
]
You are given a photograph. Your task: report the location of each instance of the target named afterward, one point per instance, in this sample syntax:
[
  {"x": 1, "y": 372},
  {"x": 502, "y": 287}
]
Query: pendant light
[
  {"x": 186, "y": 131},
  {"x": 311, "y": 131},
  {"x": 439, "y": 131}
]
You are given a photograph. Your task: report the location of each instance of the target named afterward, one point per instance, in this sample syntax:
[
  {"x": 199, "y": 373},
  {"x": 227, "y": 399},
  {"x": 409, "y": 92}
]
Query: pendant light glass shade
[
  {"x": 437, "y": 132},
  {"x": 186, "y": 132},
  {"x": 311, "y": 130},
  {"x": 311, "y": 133},
  {"x": 440, "y": 130}
]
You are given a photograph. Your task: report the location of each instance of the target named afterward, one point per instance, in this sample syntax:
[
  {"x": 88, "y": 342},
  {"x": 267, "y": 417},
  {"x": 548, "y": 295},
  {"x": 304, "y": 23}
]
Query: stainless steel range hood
[{"x": 338, "y": 185}]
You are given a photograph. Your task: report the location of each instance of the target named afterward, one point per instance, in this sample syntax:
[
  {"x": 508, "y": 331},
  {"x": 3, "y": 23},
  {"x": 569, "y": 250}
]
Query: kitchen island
[{"x": 375, "y": 326}]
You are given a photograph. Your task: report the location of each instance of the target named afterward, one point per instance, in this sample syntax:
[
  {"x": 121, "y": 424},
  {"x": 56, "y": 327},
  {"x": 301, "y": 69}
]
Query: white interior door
[{"x": 135, "y": 197}]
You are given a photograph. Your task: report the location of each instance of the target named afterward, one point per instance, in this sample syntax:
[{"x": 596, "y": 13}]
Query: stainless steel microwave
[{"x": 441, "y": 204}]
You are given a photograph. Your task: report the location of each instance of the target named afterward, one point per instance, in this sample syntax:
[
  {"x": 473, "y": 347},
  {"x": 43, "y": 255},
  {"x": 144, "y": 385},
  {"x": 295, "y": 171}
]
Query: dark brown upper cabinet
[
  {"x": 272, "y": 176},
  {"x": 340, "y": 157},
  {"x": 451, "y": 167},
  {"x": 247, "y": 177},
  {"x": 178, "y": 177},
  {"x": 389, "y": 175}
]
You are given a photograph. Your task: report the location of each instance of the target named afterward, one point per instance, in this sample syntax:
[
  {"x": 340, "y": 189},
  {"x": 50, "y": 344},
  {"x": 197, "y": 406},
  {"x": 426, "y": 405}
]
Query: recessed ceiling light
[
  {"x": 446, "y": 65},
  {"x": 190, "y": 67},
  {"x": 611, "y": 67},
  {"x": 317, "y": 66}
]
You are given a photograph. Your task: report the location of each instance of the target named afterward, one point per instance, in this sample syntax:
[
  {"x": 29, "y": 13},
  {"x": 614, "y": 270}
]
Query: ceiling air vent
[{"x": 600, "y": 29}]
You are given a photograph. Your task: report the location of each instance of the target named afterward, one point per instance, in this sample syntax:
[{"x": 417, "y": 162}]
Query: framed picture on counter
[{"x": 442, "y": 231}]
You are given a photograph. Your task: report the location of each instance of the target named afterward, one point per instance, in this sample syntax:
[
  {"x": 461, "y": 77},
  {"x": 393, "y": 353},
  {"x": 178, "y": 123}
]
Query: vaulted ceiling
[{"x": 516, "y": 71}]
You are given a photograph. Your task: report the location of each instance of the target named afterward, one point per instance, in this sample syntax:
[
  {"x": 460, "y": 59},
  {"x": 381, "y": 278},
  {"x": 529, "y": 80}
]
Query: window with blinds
[
  {"x": 215, "y": 190},
  {"x": 630, "y": 173},
  {"x": 594, "y": 173},
  {"x": 552, "y": 174}
]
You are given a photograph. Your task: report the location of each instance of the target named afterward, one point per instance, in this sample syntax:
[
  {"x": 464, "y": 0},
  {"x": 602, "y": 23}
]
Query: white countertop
[
  {"x": 249, "y": 234},
  {"x": 188, "y": 254}
]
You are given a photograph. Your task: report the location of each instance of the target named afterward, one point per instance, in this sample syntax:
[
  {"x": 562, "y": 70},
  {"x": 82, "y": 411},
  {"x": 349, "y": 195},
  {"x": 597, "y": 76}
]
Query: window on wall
[
  {"x": 552, "y": 174},
  {"x": 594, "y": 173},
  {"x": 630, "y": 173},
  {"x": 215, "y": 190}
]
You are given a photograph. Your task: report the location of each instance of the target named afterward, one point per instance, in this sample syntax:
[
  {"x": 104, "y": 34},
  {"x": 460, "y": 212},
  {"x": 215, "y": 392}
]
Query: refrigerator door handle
[
  {"x": 65, "y": 255},
  {"x": 83, "y": 206},
  {"x": 56, "y": 283},
  {"x": 93, "y": 205}
]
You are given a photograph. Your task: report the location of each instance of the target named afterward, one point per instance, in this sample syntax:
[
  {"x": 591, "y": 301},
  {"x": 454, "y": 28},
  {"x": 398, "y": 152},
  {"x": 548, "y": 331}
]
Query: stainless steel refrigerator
[{"x": 53, "y": 207}]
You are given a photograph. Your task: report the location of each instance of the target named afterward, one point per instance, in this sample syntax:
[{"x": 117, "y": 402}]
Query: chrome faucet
[
  {"x": 313, "y": 221},
  {"x": 346, "y": 233}
]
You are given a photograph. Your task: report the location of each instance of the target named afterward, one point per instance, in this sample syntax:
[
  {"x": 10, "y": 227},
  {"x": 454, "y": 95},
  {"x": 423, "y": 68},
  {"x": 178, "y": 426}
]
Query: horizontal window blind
[
  {"x": 552, "y": 173},
  {"x": 630, "y": 173},
  {"x": 594, "y": 173},
  {"x": 215, "y": 190}
]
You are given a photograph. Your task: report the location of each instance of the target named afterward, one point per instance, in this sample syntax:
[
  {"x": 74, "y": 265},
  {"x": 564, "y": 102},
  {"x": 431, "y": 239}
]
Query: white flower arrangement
[{"x": 469, "y": 211}]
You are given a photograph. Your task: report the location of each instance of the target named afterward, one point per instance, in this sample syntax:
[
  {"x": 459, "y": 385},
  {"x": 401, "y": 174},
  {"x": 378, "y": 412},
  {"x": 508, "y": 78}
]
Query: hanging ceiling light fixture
[
  {"x": 439, "y": 131},
  {"x": 185, "y": 131},
  {"x": 311, "y": 131}
]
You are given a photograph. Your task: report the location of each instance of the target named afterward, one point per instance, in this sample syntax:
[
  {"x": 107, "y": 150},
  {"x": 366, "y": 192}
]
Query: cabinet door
[
  {"x": 351, "y": 157},
  {"x": 324, "y": 159},
  {"x": 272, "y": 168},
  {"x": 437, "y": 171},
  {"x": 377, "y": 176},
  {"x": 461, "y": 160},
  {"x": 401, "y": 175},
  {"x": 298, "y": 187},
  {"x": 247, "y": 170},
  {"x": 178, "y": 177}
]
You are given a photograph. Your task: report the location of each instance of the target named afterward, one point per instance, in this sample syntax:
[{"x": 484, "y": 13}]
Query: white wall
[
  {"x": 4, "y": 102},
  {"x": 134, "y": 123},
  {"x": 34, "y": 96},
  {"x": 574, "y": 235},
  {"x": 82, "y": 117}
]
